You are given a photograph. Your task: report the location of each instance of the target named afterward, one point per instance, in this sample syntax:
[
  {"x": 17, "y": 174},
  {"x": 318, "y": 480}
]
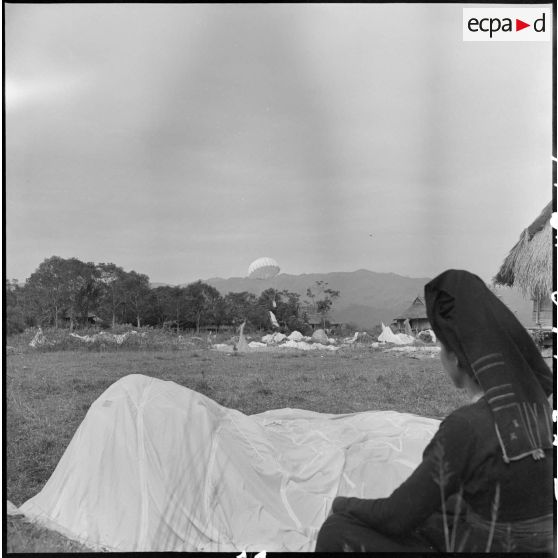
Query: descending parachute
[{"x": 263, "y": 268}]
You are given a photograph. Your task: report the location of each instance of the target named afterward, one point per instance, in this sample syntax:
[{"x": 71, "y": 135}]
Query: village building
[
  {"x": 528, "y": 266},
  {"x": 316, "y": 321},
  {"x": 416, "y": 314},
  {"x": 90, "y": 320}
]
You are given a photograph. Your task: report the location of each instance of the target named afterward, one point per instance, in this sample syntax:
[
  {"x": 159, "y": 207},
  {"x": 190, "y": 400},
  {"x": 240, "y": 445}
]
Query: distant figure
[{"x": 485, "y": 483}]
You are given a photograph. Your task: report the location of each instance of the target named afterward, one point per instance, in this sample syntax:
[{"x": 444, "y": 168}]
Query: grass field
[{"x": 49, "y": 393}]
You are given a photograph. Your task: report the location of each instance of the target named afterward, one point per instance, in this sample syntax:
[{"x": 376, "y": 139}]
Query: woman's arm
[{"x": 444, "y": 462}]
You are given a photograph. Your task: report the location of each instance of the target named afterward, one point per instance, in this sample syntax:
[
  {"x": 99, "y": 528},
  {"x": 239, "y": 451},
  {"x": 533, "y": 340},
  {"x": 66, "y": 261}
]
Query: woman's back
[
  {"x": 486, "y": 479},
  {"x": 525, "y": 486}
]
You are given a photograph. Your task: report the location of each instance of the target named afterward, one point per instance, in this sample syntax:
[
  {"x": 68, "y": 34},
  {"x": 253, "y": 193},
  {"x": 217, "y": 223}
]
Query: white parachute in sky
[{"x": 263, "y": 268}]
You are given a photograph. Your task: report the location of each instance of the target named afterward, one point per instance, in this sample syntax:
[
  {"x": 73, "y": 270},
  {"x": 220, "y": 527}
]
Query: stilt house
[{"x": 416, "y": 314}]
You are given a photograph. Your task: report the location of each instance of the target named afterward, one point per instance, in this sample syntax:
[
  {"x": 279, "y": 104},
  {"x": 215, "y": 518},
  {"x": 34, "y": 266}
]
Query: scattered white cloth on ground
[
  {"x": 222, "y": 347},
  {"x": 305, "y": 346},
  {"x": 296, "y": 336},
  {"x": 320, "y": 336},
  {"x": 105, "y": 337},
  {"x": 288, "y": 344},
  {"x": 427, "y": 335},
  {"x": 351, "y": 340},
  {"x": 256, "y": 345},
  {"x": 39, "y": 340},
  {"x": 273, "y": 338},
  {"x": 85, "y": 338},
  {"x": 157, "y": 467},
  {"x": 432, "y": 350},
  {"x": 358, "y": 336},
  {"x": 387, "y": 336}
]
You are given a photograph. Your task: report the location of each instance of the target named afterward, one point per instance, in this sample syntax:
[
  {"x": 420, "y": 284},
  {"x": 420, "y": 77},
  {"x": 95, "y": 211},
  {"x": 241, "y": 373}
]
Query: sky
[{"x": 183, "y": 141}]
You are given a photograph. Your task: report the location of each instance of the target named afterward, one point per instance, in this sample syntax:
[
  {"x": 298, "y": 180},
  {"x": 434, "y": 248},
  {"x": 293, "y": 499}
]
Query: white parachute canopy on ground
[
  {"x": 263, "y": 268},
  {"x": 387, "y": 336},
  {"x": 155, "y": 466}
]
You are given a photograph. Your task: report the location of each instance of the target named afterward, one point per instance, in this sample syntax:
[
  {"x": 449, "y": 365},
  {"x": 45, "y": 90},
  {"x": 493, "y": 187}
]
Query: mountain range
[{"x": 366, "y": 297}]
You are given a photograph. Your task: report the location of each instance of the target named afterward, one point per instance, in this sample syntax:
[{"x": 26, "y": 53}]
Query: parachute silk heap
[{"x": 263, "y": 268}]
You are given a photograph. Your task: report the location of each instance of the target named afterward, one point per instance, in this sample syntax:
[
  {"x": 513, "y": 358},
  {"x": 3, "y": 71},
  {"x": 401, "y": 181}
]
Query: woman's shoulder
[
  {"x": 464, "y": 433},
  {"x": 473, "y": 417},
  {"x": 459, "y": 435},
  {"x": 479, "y": 407}
]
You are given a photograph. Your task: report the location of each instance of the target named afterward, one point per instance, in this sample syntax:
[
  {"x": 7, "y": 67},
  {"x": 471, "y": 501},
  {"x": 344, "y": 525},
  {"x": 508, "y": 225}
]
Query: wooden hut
[
  {"x": 91, "y": 319},
  {"x": 416, "y": 314},
  {"x": 316, "y": 321},
  {"x": 528, "y": 266}
]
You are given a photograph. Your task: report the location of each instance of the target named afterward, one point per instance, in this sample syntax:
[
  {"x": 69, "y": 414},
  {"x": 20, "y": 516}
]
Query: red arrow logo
[{"x": 519, "y": 25}]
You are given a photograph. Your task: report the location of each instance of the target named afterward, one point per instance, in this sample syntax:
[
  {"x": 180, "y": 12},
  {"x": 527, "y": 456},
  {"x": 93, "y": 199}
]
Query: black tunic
[{"x": 465, "y": 456}]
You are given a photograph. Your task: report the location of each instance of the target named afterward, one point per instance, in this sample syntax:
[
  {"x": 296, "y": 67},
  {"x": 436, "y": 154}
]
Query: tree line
[{"x": 70, "y": 293}]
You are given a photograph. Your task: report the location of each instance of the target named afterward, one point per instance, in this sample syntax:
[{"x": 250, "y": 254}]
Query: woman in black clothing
[{"x": 486, "y": 479}]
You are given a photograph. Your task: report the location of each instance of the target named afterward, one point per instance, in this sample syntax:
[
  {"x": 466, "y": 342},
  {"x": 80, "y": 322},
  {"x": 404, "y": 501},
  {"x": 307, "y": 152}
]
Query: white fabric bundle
[{"x": 157, "y": 467}]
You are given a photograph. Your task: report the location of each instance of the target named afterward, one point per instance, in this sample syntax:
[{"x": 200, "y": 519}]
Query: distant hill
[{"x": 367, "y": 298}]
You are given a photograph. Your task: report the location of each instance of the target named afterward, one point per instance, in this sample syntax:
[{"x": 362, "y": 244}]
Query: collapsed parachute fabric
[
  {"x": 155, "y": 466},
  {"x": 273, "y": 319},
  {"x": 387, "y": 336},
  {"x": 263, "y": 268}
]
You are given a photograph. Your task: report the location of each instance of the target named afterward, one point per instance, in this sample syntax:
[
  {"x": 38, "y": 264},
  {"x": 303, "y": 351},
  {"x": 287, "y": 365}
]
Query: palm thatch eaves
[{"x": 529, "y": 263}]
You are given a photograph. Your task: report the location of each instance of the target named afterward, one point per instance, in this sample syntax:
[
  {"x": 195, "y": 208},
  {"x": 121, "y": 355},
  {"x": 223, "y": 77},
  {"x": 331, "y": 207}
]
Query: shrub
[{"x": 14, "y": 320}]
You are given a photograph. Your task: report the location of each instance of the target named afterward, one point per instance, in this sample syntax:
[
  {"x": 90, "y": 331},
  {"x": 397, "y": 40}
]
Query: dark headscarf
[{"x": 496, "y": 350}]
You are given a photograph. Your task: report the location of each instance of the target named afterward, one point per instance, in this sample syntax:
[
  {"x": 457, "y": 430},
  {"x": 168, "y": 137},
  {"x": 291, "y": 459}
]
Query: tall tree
[
  {"x": 45, "y": 291},
  {"x": 61, "y": 287},
  {"x": 135, "y": 287},
  {"x": 14, "y": 305},
  {"x": 289, "y": 310},
  {"x": 201, "y": 303},
  {"x": 89, "y": 291},
  {"x": 163, "y": 307},
  {"x": 171, "y": 306},
  {"x": 322, "y": 298},
  {"x": 239, "y": 307},
  {"x": 150, "y": 310},
  {"x": 112, "y": 294}
]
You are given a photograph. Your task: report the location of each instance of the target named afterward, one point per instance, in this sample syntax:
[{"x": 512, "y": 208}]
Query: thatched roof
[
  {"x": 417, "y": 310},
  {"x": 529, "y": 263}
]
